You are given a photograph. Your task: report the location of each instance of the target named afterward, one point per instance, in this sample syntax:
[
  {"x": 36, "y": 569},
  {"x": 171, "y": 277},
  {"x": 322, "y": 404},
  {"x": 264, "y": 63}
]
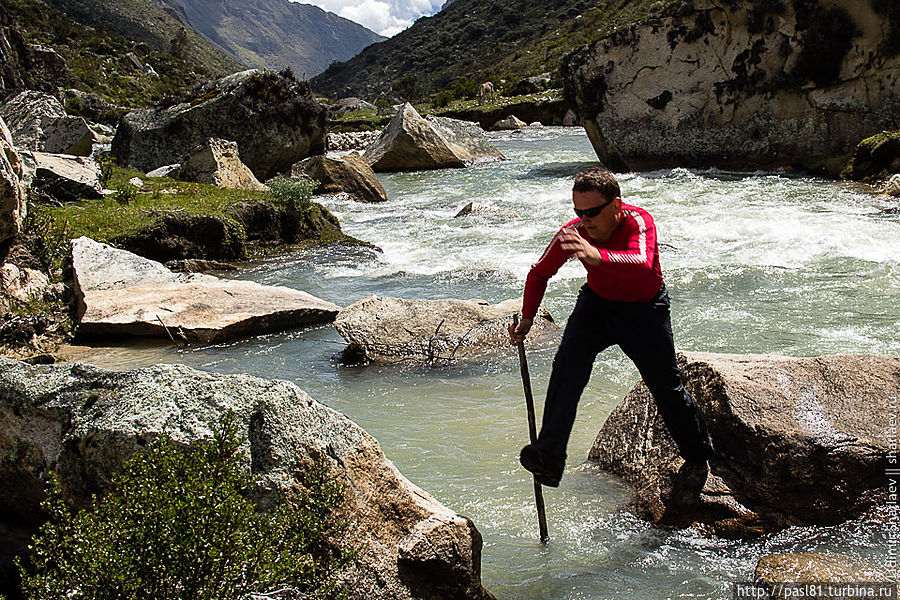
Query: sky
[{"x": 387, "y": 17}]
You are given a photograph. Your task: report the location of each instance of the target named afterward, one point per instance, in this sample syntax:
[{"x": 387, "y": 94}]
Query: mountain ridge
[{"x": 276, "y": 33}]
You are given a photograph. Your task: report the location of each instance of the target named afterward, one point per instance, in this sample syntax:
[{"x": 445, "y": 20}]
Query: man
[{"x": 624, "y": 302}]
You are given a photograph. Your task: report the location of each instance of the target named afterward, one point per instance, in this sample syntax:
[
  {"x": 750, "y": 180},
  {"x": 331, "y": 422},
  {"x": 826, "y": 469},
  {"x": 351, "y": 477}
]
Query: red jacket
[{"x": 629, "y": 269}]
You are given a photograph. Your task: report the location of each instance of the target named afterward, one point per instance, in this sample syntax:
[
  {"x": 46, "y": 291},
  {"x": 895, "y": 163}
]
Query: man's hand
[
  {"x": 578, "y": 247},
  {"x": 518, "y": 332}
]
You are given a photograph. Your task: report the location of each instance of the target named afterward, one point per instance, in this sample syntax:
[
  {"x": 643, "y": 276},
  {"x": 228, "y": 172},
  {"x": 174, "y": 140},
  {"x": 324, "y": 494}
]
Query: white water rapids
[{"x": 754, "y": 262}]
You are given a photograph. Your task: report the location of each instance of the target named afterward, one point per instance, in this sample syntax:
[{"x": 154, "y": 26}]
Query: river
[{"x": 755, "y": 263}]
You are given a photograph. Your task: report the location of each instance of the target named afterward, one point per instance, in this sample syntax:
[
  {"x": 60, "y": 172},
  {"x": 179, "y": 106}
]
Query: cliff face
[{"x": 740, "y": 83}]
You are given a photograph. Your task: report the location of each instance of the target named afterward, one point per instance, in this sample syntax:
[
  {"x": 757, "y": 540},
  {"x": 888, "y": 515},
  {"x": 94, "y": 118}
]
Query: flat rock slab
[
  {"x": 799, "y": 441},
  {"x": 123, "y": 294},
  {"x": 432, "y": 331}
]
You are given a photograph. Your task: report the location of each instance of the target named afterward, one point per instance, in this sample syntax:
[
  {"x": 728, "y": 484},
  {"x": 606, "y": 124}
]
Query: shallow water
[{"x": 755, "y": 263}]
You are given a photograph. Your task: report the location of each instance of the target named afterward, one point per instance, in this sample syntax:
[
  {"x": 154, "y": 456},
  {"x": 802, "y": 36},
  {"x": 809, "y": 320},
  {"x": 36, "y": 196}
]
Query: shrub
[
  {"x": 177, "y": 523},
  {"x": 294, "y": 194}
]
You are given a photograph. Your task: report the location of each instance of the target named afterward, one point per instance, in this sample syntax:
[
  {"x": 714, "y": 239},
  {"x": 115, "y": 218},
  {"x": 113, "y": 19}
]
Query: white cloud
[{"x": 387, "y": 17}]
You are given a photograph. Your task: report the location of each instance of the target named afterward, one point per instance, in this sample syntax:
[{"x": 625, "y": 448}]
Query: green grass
[{"x": 106, "y": 219}]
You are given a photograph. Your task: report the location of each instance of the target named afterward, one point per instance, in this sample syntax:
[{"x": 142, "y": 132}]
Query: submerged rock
[
  {"x": 82, "y": 422},
  {"x": 432, "y": 331},
  {"x": 123, "y": 294},
  {"x": 786, "y": 569},
  {"x": 411, "y": 143},
  {"x": 793, "y": 444}
]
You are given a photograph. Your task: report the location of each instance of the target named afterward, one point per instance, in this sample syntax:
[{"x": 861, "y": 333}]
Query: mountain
[
  {"x": 497, "y": 40},
  {"x": 128, "y": 52},
  {"x": 153, "y": 25},
  {"x": 276, "y": 33}
]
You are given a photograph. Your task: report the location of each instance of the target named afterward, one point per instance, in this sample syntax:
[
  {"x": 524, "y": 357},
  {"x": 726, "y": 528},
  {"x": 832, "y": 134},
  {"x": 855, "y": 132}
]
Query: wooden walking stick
[{"x": 532, "y": 432}]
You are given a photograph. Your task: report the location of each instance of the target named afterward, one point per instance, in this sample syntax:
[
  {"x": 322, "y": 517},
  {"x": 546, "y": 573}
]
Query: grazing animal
[{"x": 486, "y": 92}]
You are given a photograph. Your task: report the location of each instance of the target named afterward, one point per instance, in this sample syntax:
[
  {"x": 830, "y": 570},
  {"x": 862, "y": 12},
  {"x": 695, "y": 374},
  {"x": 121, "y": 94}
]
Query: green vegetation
[
  {"x": 94, "y": 54},
  {"x": 178, "y": 523},
  {"x": 497, "y": 41}
]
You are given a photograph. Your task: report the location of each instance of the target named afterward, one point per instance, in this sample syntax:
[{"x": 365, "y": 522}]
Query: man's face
[{"x": 600, "y": 226}]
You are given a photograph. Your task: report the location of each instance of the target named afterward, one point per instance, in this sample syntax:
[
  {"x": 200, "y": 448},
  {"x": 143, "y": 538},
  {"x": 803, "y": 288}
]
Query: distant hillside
[
  {"x": 277, "y": 33},
  {"x": 151, "y": 24},
  {"x": 479, "y": 39},
  {"x": 42, "y": 47}
]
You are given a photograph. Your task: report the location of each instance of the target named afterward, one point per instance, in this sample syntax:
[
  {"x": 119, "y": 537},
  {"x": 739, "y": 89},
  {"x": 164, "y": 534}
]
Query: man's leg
[
  {"x": 585, "y": 336},
  {"x": 647, "y": 340}
]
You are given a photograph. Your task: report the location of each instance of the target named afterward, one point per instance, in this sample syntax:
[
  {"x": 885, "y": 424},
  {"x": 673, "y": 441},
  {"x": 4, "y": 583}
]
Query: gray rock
[
  {"x": 13, "y": 198},
  {"x": 64, "y": 177},
  {"x": 411, "y": 143},
  {"x": 345, "y": 105},
  {"x": 121, "y": 294},
  {"x": 736, "y": 84},
  {"x": 38, "y": 122},
  {"x": 351, "y": 140},
  {"x": 21, "y": 285},
  {"x": 349, "y": 174},
  {"x": 570, "y": 119},
  {"x": 794, "y": 445},
  {"x": 165, "y": 171},
  {"x": 218, "y": 162},
  {"x": 509, "y": 123},
  {"x": 82, "y": 422},
  {"x": 466, "y": 139},
  {"x": 892, "y": 186},
  {"x": 275, "y": 121},
  {"x": 432, "y": 331}
]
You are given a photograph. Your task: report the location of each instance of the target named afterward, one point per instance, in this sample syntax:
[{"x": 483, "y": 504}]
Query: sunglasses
[{"x": 593, "y": 211}]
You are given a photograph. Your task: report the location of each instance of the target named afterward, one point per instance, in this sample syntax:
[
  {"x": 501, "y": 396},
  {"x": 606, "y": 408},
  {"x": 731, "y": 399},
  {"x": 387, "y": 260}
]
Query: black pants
[{"x": 643, "y": 330}]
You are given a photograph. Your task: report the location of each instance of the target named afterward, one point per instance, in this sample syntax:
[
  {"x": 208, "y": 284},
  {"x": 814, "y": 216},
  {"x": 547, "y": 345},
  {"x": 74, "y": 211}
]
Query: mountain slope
[
  {"x": 44, "y": 48},
  {"x": 277, "y": 33},
  {"x": 479, "y": 39},
  {"x": 149, "y": 23}
]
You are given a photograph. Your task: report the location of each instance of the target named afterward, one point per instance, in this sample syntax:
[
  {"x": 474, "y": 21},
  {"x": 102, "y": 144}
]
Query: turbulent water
[{"x": 754, "y": 262}]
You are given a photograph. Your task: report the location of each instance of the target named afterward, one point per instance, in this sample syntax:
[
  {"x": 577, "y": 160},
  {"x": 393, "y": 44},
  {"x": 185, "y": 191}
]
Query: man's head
[{"x": 597, "y": 201}]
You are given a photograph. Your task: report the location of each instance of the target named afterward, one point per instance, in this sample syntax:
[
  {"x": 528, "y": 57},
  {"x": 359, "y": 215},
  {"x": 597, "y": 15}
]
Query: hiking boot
[
  {"x": 689, "y": 482},
  {"x": 546, "y": 468}
]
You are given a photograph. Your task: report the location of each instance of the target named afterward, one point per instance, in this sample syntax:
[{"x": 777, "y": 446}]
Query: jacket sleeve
[
  {"x": 541, "y": 272},
  {"x": 641, "y": 245}
]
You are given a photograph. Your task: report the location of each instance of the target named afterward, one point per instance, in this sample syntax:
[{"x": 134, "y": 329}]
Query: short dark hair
[{"x": 597, "y": 179}]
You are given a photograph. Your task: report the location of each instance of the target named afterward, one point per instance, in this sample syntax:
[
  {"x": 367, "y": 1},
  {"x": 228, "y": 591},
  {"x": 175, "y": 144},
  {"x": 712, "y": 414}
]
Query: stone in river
[
  {"x": 432, "y": 331},
  {"x": 799, "y": 441},
  {"x": 123, "y": 294}
]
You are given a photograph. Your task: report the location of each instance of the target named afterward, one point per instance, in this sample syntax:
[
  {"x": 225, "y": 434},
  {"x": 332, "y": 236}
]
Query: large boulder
[
  {"x": 82, "y": 422},
  {"x": 121, "y": 294},
  {"x": 411, "y": 143},
  {"x": 738, "y": 84},
  {"x": 63, "y": 177},
  {"x": 431, "y": 331},
  {"x": 794, "y": 445},
  {"x": 274, "y": 119},
  {"x": 349, "y": 174},
  {"x": 510, "y": 123},
  {"x": 38, "y": 122},
  {"x": 217, "y": 162},
  {"x": 13, "y": 198}
]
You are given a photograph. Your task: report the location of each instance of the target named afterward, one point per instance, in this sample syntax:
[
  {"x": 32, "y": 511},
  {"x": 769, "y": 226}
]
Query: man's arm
[{"x": 535, "y": 286}]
